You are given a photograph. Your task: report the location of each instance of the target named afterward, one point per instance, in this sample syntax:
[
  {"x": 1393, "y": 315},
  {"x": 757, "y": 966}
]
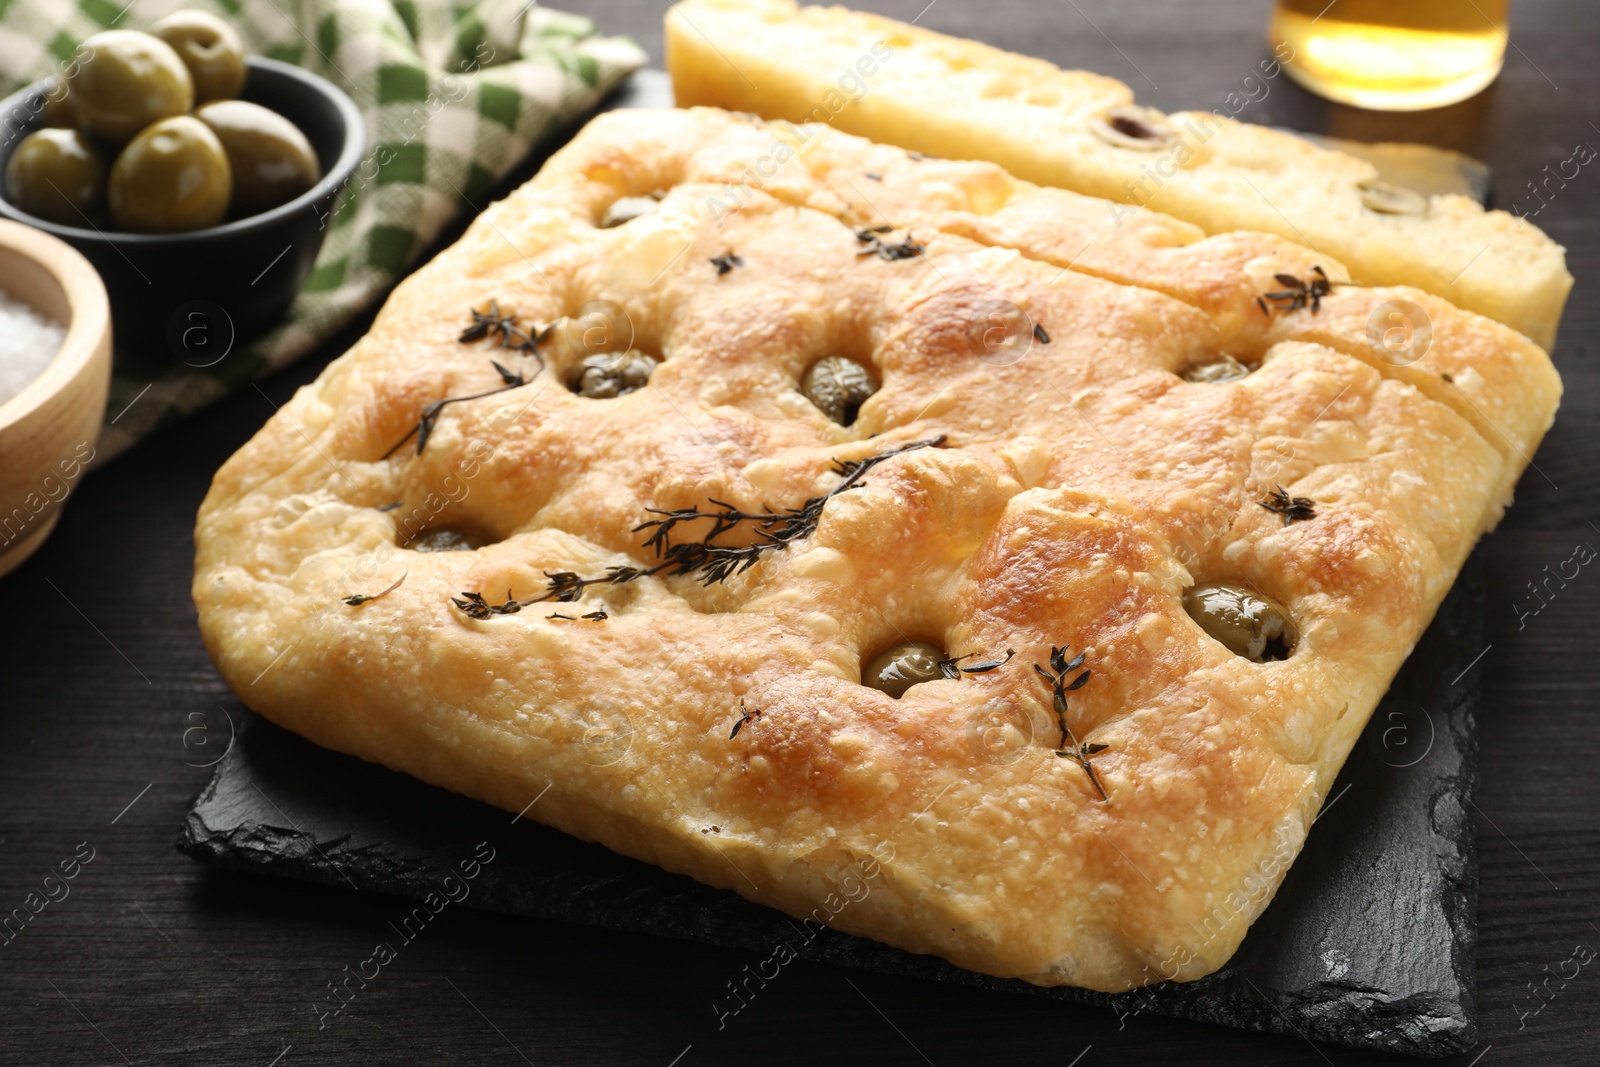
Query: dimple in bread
[
  {"x": 1080, "y": 486},
  {"x": 910, "y": 86}
]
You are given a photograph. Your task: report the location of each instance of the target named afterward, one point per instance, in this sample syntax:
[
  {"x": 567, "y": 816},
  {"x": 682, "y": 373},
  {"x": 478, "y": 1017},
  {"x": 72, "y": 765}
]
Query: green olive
[
  {"x": 839, "y": 387},
  {"x": 271, "y": 160},
  {"x": 1217, "y": 371},
  {"x": 899, "y": 667},
  {"x": 58, "y": 175},
  {"x": 127, "y": 80},
  {"x": 1388, "y": 199},
  {"x": 55, "y": 109},
  {"x": 443, "y": 539},
  {"x": 210, "y": 48},
  {"x": 172, "y": 177},
  {"x": 1249, "y": 624},
  {"x": 608, "y": 374},
  {"x": 628, "y": 208}
]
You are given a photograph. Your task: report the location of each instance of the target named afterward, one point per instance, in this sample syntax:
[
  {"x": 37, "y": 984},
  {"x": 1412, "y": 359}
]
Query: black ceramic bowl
[{"x": 185, "y": 293}]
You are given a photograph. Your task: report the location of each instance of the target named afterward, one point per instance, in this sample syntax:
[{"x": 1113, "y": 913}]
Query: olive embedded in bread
[
  {"x": 1387, "y": 199},
  {"x": 270, "y": 159},
  {"x": 1249, "y": 623},
  {"x": 1217, "y": 371},
  {"x": 173, "y": 177},
  {"x": 126, "y": 81},
  {"x": 604, "y": 375},
  {"x": 210, "y": 48},
  {"x": 443, "y": 539},
  {"x": 839, "y": 387},
  {"x": 899, "y": 667},
  {"x": 58, "y": 175},
  {"x": 626, "y": 209},
  {"x": 1129, "y": 126}
]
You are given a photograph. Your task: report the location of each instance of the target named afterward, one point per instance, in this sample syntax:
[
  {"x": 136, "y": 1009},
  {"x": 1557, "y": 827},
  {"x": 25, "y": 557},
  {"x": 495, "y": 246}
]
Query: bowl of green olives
[{"x": 196, "y": 179}]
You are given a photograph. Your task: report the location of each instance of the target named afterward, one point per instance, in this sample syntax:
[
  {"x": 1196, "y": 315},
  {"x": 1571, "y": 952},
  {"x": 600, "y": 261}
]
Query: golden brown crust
[{"x": 1084, "y": 485}]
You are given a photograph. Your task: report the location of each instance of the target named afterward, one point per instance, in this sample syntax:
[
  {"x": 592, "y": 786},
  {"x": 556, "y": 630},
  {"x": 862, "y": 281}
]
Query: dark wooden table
[{"x": 151, "y": 959}]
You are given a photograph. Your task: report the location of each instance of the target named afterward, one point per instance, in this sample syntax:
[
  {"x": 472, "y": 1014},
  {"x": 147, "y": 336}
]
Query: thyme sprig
[
  {"x": 430, "y": 414},
  {"x": 1296, "y": 293},
  {"x": 745, "y": 715},
  {"x": 711, "y": 563},
  {"x": 561, "y": 586},
  {"x": 951, "y": 668},
  {"x": 475, "y": 606},
  {"x": 1070, "y": 747},
  {"x": 714, "y": 563},
  {"x": 1290, "y": 508},
  {"x": 488, "y": 321}
]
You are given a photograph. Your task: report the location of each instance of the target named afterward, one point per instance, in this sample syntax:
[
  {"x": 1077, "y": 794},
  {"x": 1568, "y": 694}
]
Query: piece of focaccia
[
  {"x": 1036, "y": 488},
  {"x": 909, "y": 86}
]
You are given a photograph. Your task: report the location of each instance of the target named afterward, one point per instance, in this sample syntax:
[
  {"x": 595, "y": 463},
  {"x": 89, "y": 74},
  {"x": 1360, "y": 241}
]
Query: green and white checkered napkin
[{"x": 458, "y": 93}]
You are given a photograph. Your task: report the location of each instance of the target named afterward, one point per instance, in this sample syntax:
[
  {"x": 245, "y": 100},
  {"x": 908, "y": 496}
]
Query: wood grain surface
[{"x": 109, "y": 708}]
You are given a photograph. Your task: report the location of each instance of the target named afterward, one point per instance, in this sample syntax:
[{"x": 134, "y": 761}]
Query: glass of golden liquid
[{"x": 1391, "y": 55}]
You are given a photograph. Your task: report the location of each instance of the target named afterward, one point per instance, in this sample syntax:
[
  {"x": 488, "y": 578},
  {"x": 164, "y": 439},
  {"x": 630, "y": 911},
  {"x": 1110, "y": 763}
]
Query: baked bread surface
[
  {"x": 907, "y": 85},
  {"x": 1081, "y": 485}
]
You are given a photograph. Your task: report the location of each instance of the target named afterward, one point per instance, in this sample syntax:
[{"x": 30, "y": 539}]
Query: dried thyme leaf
[
  {"x": 951, "y": 668},
  {"x": 1070, "y": 747},
  {"x": 1297, "y": 294},
  {"x": 1290, "y": 508},
  {"x": 355, "y": 600},
  {"x": 745, "y": 715}
]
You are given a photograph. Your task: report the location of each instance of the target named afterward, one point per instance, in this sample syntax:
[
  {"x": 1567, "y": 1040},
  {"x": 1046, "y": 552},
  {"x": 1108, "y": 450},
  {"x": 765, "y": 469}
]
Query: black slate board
[{"x": 1368, "y": 943}]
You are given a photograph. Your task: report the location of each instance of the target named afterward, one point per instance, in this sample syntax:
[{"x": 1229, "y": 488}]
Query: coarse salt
[{"x": 28, "y": 342}]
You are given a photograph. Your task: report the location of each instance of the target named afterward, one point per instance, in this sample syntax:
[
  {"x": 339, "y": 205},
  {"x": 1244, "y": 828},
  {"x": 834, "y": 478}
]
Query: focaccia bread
[
  {"x": 1033, "y": 487},
  {"x": 910, "y": 86}
]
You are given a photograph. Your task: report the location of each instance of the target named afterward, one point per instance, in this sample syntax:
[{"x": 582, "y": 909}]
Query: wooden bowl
[{"x": 47, "y": 431}]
